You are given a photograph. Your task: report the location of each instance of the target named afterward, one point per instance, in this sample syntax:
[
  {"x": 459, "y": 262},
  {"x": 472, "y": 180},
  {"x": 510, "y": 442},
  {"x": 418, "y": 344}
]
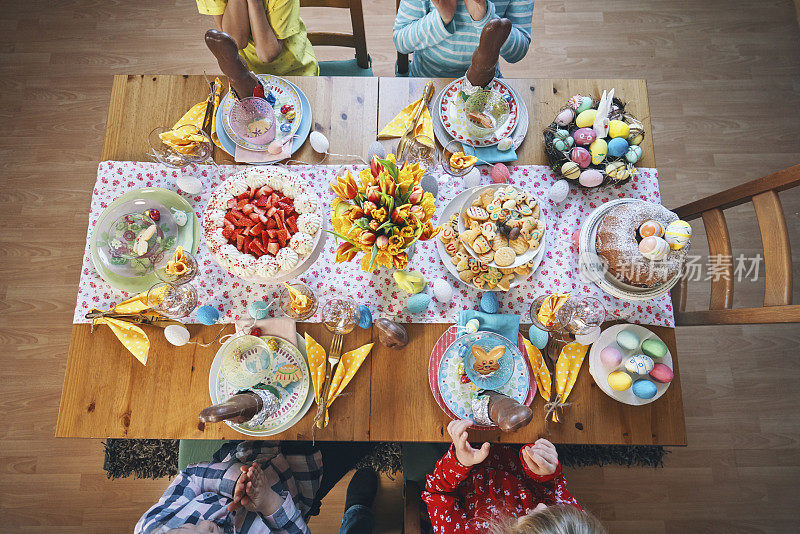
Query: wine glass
[
  {"x": 164, "y": 153},
  {"x": 340, "y": 315},
  {"x": 173, "y": 301},
  {"x": 291, "y": 309},
  {"x": 454, "y": 147},
  {"x": 577, "y": 315},
  {"x": 184, "y": 274},
  {"x": 421, "y": 150}
]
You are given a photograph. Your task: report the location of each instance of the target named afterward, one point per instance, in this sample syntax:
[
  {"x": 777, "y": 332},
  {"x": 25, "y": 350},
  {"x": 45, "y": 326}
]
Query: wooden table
[{"x": 107, "y": 393}]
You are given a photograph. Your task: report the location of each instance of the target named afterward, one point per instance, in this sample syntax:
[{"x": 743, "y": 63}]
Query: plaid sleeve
[{"x": 287, "y": 519}]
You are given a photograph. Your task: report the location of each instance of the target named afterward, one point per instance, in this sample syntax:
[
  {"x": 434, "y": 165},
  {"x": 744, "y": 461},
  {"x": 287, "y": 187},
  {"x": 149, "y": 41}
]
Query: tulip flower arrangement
[{"x": 382, "y": 215}]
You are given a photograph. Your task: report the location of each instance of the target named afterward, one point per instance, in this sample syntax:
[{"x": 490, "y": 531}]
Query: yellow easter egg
[
  {"x": 598, "y": 149},
  {"x": 586, "y": 118},
  {"x": 678, "y": 234},
  {"x": 619, "y": 380},
  {"x": 618, "y": 128}
]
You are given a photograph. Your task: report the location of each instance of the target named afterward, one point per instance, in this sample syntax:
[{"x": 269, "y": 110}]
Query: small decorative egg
[
  {"x": 489, "y": 302},
  {"x": 286, "y": 127},
  {"x": 462, "y": 352},
  {"x": 651, "y": 227},
  {"x": 505, "y": 144},
  {"x": 319, "y": 142},
  {"x": 290, "y": 116},
  {"x": 678, "y": 234},
  {"x": 189, "y": 184},
  {"x": 177, "y": 334},
  {"x": 562, "y": 134},
  {"x": 611, "y": 356},
  {"x": 634, "y": 153},
  {"x": 619, "y": 380},
  {"x": 653, "y": 248},
  {"x": 376, "y": 149},
  {"x": 585, "y": 103},
  {"x": 429, "y": 184},
  {"x": 442, "y": 290},
  {"x": 571, "y": 170},
  {"x": 654, "y": 347},
  {"x": 627, "y": 340},
  {"x": 411, "y": 282},
  {"x": 616, "y": 171},
  {"x": 258, "y": 309},
  {"x": 472, "y": 178},
  {"x": 644, "y": 389},
  {"x": 538, "y": 337},
  {"x": 581, "y": 156},
  {"x": 662, "y": 373},
  {"x": 565, "y": 117},
  {"x": 584, "y": 136},
  {"x": 617, "y": 147},
  {"x": 576, "y": 239},
  {"x": 586, "y": 118},
  {"x": 207, "y": 315},
  {"x": 618, "y": 128},
  {"x": 562, "y": 145},
  {"x": 272, "y": 344},
  {"x": 418, "y": 303},
  {"x": 500, "y": 173},
  {"x": 558, "y": 191},
  {"x": 636, "y": 136},
  {"x": 472, "y": 326},
  {"x": 275, "y": 147},
  {"x": 590, "y": 178},
  {"x": 639, "y": 364},
  {"x": 181, "y": 218},
  {"x": 365, "y": 317},
  {"x": 589, "y": 337},
  {"x": 598, "y": 149}
]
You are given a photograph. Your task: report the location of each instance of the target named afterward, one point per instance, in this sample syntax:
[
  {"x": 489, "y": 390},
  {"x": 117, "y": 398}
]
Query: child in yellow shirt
[{"x": 270, "y": 35}]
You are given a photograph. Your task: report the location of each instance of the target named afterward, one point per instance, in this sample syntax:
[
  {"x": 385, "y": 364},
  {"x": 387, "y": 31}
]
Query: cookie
[
  {"x": 499, "y": 241},
  {"x": 451, "y": 247},
  {"x": 447, "y": 234},
  {"x": 469, "y": 236},
  {"x": 480, "y": 245},
  {"x": 489, "y": 230},
  {"x": 486, "y": 197},
  {"x": 523, "y": 270},
  {"x": 487, "y": 258},
  {"x": 510, "y": 204},
  {"x": 462, "y": 265},
  {"x": 506, "y": 270},
  {"x": 519, "y": 246},
  {"x": 505, "y": 282},
  {"x": 479, "y": 282},
  {"x": 477, "y": 213},
  {"x": 474, "y": 265},
  {"x": 466, "y": 276},
  {"x": 505, "y": 256}
]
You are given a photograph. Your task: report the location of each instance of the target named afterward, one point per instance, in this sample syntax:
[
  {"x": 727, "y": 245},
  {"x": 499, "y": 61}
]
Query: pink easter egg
[
  {"x": 581, "y": 156},
  {"x": 500, "y": 173},
  {"x": 611, "y": 357},
  {"x": 584, "y": 136},
  {"x": 662, "y": 373},
  {"x": 590, "y": 178}
]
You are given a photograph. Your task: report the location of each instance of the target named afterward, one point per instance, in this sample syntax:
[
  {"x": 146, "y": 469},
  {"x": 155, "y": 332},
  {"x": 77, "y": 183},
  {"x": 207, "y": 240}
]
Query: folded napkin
[
  {"x": 243, "y": 155},
  {"x": 491, "y": 154},
  {"x": 398, "y": 125},
  {"x": 507, "y": 325},
  {"x": 282, "y": 327},
  {"x": 184, "y": 136},
  {"x": 567, "y": 368},
  {"x": 540, "y": 371}
]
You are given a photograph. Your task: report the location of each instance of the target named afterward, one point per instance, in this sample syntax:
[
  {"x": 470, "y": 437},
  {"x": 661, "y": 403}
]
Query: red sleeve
[
  {"x": 553, "y": 488},
  {"x": 444, "y": 506}
]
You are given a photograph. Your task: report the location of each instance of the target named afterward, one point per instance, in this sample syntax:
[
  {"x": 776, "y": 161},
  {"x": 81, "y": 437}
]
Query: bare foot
[
  {"x": 224, "y": 48},
  {"x": 484, "y": 59}
]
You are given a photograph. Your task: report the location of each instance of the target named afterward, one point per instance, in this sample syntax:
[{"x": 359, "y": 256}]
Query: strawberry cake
[{"x": 263, "y": 224}]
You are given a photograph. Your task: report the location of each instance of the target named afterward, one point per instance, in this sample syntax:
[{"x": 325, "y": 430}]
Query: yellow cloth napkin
[
  {"x": 345, "y": 371},
  {"x": 567, "y": 367},
  {"x": 316, "y": 364},
  {"x": 547, "y": 313},
  {"x": 398, "y": 125},
  {"x": 183, "y": 137},
  {"x": 540, "y": 371}
]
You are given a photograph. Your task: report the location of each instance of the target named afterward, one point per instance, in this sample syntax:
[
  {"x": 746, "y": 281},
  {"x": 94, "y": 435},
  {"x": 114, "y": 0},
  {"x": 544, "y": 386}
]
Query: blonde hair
[{"x": 557, "y": 519}]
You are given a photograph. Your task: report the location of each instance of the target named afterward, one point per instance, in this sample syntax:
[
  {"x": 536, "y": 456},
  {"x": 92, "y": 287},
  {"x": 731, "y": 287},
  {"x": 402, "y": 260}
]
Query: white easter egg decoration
[
  {"x": 558, "y": 191},
  {"x": 505, "y": 144},
  {"x": 190, "y": 185},
  {"x": 472, "y": 178},
  {"x": 319, "y": 142},
  {"x": 442, "y": 290},
  {"x": 177, "y": 334},
  {"x": 181, "y": 218}
]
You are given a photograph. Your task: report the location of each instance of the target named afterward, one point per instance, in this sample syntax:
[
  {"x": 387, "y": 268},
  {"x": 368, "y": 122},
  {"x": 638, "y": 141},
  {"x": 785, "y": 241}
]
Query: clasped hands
[
  {"x": 447, "y": 9},
  {"x": 252, "y": 492}
]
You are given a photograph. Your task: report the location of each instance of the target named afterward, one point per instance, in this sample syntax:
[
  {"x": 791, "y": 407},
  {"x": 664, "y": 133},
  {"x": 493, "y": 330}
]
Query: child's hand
[
  {"x": 541, "y": 457},
  {"x": 465, "y": 453},
  {"x": 253, "y": 492},
  {"x": 446, "y": 9},
  {"x": 476, "y": 8}
]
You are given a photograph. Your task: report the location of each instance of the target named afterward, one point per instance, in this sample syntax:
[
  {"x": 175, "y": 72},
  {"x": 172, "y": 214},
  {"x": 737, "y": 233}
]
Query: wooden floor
[{"x": 724, "y": 84}]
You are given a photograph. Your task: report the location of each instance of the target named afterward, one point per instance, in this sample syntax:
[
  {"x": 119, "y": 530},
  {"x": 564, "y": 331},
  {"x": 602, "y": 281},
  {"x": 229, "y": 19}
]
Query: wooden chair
[
  {"x": 401, "y": 69},
  {"x": 413, "y": 509},
  {"x": 778, "y": 307},
  {"x": 362, "y": 64}
]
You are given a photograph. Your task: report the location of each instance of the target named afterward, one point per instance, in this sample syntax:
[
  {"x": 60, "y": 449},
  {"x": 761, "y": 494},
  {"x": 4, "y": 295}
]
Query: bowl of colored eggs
[
  {"x": 576, "y": 152},
  {"x": 631, "y": 364}
]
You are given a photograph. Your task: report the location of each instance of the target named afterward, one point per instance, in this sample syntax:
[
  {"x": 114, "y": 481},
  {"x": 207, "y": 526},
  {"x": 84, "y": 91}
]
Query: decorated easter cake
[
  {"x": 643, "y": 243},
  {"x": 262, "y": 223}
]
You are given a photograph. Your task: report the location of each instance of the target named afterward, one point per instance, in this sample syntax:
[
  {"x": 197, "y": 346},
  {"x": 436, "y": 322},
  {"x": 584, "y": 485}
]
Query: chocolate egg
[
  {"x": 586, "y": 118},
  {"x": 391, "y": 334},
  {"x": 584, "y": 136},
  {"x": 617, "y": 147},
  {"x": 662, "y": 373},
  {"x": 571, "y": 170},
  {"x": 590, "y": 178},
  {"x": 611, "y": 356},
  {"x": 584, "y": 103},
  {"x": 634, "y": 153},
  {"x": 619, "y": 380},
  {"x": 565, "y": 117},
  {"x": 581, "y": 156},
  {"x": 618, "y": 129},
  {"x": 598, "y": 149},
  {"x": 644, "y": 389}
]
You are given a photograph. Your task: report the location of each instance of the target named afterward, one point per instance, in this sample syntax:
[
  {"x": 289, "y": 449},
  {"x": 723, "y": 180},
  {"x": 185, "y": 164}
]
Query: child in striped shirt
[{"x": 443, "y": 34}]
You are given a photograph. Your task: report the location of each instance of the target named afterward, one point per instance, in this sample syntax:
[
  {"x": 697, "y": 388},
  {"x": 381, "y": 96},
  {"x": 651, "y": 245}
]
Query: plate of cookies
[
  {"x": 502, "y": 226},
  {"x": 468, "y": 269}
]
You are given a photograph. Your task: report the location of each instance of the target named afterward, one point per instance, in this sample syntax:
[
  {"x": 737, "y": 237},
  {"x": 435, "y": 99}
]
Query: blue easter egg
[
  {"x": 429, "y": 184},
  {"x": 207, "y": 315},
  {"x": 418, "y": 303},
  {"x": 489, "y": 302},
  {"x": 644, "y": 389},
  {"x": 258, "y": 309},
  {"x": 365, "y": 319},
  {"x": 286, "y": 127},
  {"x": 538, "y": 337},
  {"x": 617, "y": 147},
  {"x": 634, "y": 154},
  {"x": 376, "y": 149},
  {"x": 462, "y": 351},
  {"x": 585, "y": 103},
  {"x": 270, "y": 98}
]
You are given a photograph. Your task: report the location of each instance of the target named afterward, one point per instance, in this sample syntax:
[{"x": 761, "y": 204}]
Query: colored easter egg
[
  {"x": 489, "y": 302},
  {"x": 565, "y": 117},
  {"x": 644, "y": 389},
  {"x": 617, "y": 128},
  {"x": 207, "y": 315},
  {"x": 505, "y": 144},
  {"x": 558, "y": 191},
  {"x": 365, "y": 317},
  {"x": 678, "y": 234},
  {"x": 442, "y": 290},
  {"x": 429, "y": 184},
  {"x": 258, "y": 309},
  {"x": 581, "y": 156},
  {"x": 562, "y": 145},
  {"x": 584, "y": 103},
  {"x": 617, "y": 147},
  {"x": 653, "y": 248},
  {"x": 376, "y": 149},
  {"x": 627, "y": 340},
  {"x": 654, "y": 347},
  {"x": 662, "y": 373},
  {"x": 586, "y": 118},
  {"x": 418, "y": 303},
  {"x": 538, "y": 337},
  {"x": 571, "y": 170},
  {"x": 177, "y": 334},
  {"x": 598, "y": 150},
  {"x": 472, "y": 326},
  {"x": 584, "y": 136},
  {"x": 617, "y": 171},
  {"x": 619, "y": 380},
  {"x": 500, "y": 173},
  {"x": 636, "y": 136},
  {"x": 462, "y": 351},
  {"x": 639, "y": 364},
  {"x": 611, "y": 356},
  {"x": 590, "y": 178},
  {"x": 651, "y": 227},
  {"x": 562, "y": 134},
  {"x": 634, "y": 153}
]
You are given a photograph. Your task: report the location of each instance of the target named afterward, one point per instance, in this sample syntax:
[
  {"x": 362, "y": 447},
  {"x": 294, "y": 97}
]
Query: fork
[{"x": 334, "y": 355}]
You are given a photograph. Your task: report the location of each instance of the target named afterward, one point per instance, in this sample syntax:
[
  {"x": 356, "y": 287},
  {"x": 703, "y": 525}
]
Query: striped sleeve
[
  {"x": 520, "y": 13},
  {"x": 416, "y": 28}
]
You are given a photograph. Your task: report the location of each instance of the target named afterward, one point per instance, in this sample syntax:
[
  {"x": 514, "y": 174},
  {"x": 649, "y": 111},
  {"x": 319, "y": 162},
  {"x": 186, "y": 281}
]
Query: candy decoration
[
  {"x": 153, "y": 214},
  {"x": 177, "y": 334},
  {"x": 365, "y": 317},
  {"x": 472, "y": 178},
  {"x": 619, "y": 380},
  {"x": 319, "y": 142},
  {"x": 391, "y": 334},
  {"x": 644, "y": 389},
  {"x": 270, "y": 98},
  {"x": 678, "y": 234},
  {"x": 442, "y": 290},
  {"x": 181, "y": 218},
  {"x": 662, "y": 373},
  {"x": 540, "y": 371},
  {"x": 654, "y": 248},
  {"x": 472, "y": 326},
  {"x": 286, "y": 127},
  {"x": 611, "y": 357},
  {"x": 558, "y": 191},
  {"x": 500, "y": 173},
  {"x": 418, "y": 303},
  {"x": 639, "y": 364},
  {"x": 489, "y": 302},
  {"x": 189, "y": 185},
  {"x": 256, "y": 332},
  {"x": 505, "y": 144},
  {"x": 258, "y": 309},
  {"x": 207, "y": 315},
  {"x": 538, "y": 337},
  {"x": 571, "y": 170},
  {"x": 651, "y": 228}
]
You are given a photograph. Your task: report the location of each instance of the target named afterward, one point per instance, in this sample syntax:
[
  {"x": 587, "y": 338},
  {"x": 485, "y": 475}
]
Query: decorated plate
[
  {"x": 453, "y": 114},
  {"x": 295, "y": 397},
  {"x": 488, "y": 341},
  {"x": 285, "y": 95}
]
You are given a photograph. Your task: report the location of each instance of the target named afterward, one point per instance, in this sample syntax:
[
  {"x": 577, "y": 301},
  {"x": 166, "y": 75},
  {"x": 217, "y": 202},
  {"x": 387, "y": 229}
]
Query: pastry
[
  {"x": 505, "y": 256},
  {"x": 518, "y": 246},
  {"x": 481, "y": 245},
  {"x": 477, "y": 213},
  {"x": 487, "y": 361}
]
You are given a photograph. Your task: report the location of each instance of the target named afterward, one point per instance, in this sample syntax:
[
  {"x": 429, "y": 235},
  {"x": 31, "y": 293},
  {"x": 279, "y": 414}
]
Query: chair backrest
[
  {"x": 402, "y": 59},
  {"x": 763, "y": 194},
  {"x": 357, "y": 39}
]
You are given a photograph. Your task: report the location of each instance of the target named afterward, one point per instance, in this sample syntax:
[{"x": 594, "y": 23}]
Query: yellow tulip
[
  {"x": 400, "y": 261},
  {"x": 428, "y": 231},
  {"x": 345, "y": 186},
  {"x": 428, "y": 204},
  {"x": 346, "y": 252},
  {"x": 380, "y": 215}
]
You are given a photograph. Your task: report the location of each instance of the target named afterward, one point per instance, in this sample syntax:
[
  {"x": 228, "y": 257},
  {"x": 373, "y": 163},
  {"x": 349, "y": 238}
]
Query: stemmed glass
[
  {"x": 173, "y": 301},
  {"x": 163, "y": 153},
  {"x": 579, "y": 315},
  {"x": 451, "y": 148},
  {"x": 421, "y": 150},
  {"x": 289, "y": 307}
]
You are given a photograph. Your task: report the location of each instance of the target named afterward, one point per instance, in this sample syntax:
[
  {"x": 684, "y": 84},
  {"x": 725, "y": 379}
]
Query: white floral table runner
[{"x": 231, "y": 295}]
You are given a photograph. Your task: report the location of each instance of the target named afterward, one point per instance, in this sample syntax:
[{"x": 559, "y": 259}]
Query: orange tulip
[
  {"x": 400, "y": 261},
  {"x": 382, "y": 241},
  {"x": 346, "y": 252},
  {"x": 368, "y": 207},
  {"x": 345, "y": 187},
  {"x": 416, "y": 195},
  {"x": 373, "y": 193},
  {"x": 366, "y": 238}
]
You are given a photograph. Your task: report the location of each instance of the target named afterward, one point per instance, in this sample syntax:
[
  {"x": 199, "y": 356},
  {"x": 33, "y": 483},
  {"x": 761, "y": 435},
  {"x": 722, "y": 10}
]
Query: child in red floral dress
[{"x": 495, "y": 488}]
